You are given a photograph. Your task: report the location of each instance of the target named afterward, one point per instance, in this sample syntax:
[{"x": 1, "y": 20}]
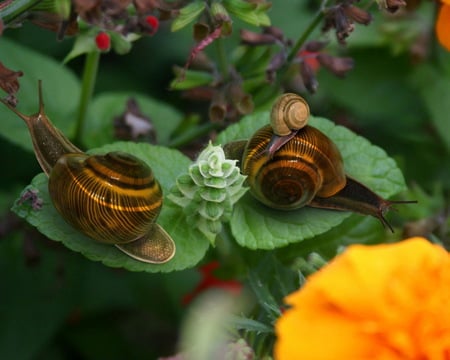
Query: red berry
[
  {"x": 153, "y": 22},
  {"x": 103, "y": 41}
]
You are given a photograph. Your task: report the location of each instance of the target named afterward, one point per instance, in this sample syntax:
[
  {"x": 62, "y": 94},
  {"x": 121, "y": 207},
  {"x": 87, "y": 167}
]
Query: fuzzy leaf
[
  {"x": 191, "y": 244},
  {"x": 258, "y": 227},
  {"x": 187, "y": 15}
]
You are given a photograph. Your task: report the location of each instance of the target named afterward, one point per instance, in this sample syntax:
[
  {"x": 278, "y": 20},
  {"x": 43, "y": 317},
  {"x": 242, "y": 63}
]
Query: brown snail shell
[
  {"x": 302, "y": 168},
  {"x": 290, "y": 112},
  {"x": 112, "y": 198},
  {"x": 308, "y": 165}
]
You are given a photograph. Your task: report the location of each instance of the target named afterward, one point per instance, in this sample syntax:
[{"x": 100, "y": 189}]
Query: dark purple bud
[
  {"x": 337, "y": 65},
  {"x": 309, "y": 77},
  {"x": 240, "y": 100},
  {"x": 253, "y": 38},
  {"x": 275, "y": 32},
  {"x": 357, "y": 14},
  {"x": 315, "y": 46},
  {"x": 200, "y": 31},
  {"x": 392, "y": 5},
  {"x": 277, "y": 61}
]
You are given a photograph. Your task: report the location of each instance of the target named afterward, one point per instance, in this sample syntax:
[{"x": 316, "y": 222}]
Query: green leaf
[
  {"x": 84, "y": 43},
  {"x": 105, "y": 107},
  {"x": 61, "y": 91},
  {"x": 243, "y": 323},
  {"x": 188, "y": 79},
  {"x": 187, "y": 15},
  {"x": 191, "y": 244},
  {"x": 251, "y": 13},
  {"x": 258, "y": 227},
  {"x": 433, "y": 86}
]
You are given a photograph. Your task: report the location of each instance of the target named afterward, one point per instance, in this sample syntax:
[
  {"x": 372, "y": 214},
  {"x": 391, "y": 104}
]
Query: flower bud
[
  {"x": 153, "y": 22},
  {"x": 309, "y": 77},
  {"x": 209, "y": 190},
  {"x": 103, "y": 41},
  {"x": 338, "y": 66}
]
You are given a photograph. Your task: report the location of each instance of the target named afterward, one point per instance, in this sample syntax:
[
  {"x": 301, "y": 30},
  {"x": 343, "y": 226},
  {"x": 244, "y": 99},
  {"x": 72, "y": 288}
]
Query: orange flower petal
[
  {"x": 443, "y": 25},
  {"x": 372, "y": 302}
]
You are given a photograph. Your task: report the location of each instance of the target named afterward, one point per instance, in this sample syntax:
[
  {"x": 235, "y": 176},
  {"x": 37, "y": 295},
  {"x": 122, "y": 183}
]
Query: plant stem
[
  {"x": 302, "y": 39},
  {"x": 193, "y": 134},
  {"x": 222, "y": 57},
  {"x": 87, "y": 88}
]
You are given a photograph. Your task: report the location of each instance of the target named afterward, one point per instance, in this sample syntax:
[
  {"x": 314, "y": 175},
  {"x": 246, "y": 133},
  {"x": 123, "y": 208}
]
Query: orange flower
[
  {"x": 384, "y": 302},
  {"x": 443, "y": 24}
]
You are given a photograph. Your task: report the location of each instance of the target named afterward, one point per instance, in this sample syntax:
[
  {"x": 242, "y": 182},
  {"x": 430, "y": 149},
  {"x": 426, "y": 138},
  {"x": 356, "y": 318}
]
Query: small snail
[
  {"x": 112, "y": 198},
  {"x": 289, "y": 114},
  {"x": 305, "y": 170}
]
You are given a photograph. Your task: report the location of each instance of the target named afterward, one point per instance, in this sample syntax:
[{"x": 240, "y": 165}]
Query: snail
[
  {"x": 112, "y": 198},
  {"x": 304, "y": 169},
  {"x": 289, "y": 114}
]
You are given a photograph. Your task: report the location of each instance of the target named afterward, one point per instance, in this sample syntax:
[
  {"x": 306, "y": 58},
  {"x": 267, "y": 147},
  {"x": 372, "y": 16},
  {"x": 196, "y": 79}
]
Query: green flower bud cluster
[{"x": 209, "y": 190}]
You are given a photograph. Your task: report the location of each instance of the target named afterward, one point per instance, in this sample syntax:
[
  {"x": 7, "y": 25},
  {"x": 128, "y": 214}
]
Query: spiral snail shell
[
  {"x": 289, "y": 114},
  {"x": 308, "y": 165},
  {"x": 112, "y": 198},
  {"x": 302, "y": 168}
]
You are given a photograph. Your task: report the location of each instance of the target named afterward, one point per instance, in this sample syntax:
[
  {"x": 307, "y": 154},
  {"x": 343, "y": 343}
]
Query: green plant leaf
[
  {"x": 251, "y": 13},
  {"x": 258, "y": 227},
  {"x": 191, "y": 244},
  {"x": 187, "y": 15},
  {"x": 244, "y": 323},
  {"x": 105, "y": 107},
  {"x": 84, "y": 43},
  {"x": 433, "y": 87},
  {"x": 61, "y": 91},
  {"x": 187, "y": 79}
]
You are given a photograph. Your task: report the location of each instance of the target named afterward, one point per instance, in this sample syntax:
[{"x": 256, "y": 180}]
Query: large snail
[
  {"x": 112, "y": 198},
  {"x": 287, "y": 170}
]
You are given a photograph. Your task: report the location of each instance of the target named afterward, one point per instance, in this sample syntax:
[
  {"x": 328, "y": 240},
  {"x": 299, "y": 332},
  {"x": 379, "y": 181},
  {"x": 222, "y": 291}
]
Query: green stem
[
  {"x": 87, "y": 88},
  {"x": 302, "y": 39},
  {"x": 193, "y": 134},
  {"x": 222, "y": 58},
  {"x": 15, "y": 8}
]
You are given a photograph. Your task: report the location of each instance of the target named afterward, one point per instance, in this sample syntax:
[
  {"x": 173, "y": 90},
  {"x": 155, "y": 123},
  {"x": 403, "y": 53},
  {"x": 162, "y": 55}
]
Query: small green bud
[{"x": 208, "y": 191}]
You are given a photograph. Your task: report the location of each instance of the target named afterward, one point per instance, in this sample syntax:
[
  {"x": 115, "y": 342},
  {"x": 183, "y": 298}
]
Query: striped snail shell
[
  {"x": 302, "y": 168},
  {"x": 307, "y": 166},
  {"x": 112, "y": 198},
  {"x": 290, "y": 112}
]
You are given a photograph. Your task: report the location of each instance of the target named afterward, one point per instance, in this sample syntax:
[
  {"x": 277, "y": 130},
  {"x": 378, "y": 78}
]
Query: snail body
[
  {"x": 302, "y": 168},
  {"x": 112, "y": 198}
]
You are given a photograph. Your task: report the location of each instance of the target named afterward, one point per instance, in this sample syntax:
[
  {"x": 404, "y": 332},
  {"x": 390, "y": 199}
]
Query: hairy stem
[
  {"x": 302, "y": 39},
  {"x": 87, "y": 88}
]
